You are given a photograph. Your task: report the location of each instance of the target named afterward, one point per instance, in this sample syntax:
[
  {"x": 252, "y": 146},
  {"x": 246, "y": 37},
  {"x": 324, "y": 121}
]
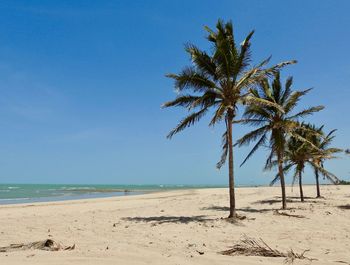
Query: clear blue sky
[{"x": 82, "y": 83}]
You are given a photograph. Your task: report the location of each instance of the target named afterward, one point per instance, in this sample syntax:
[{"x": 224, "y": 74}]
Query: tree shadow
[
  {"x": 289, "y": 200},
  {"x": 216, "y": 208},
  {"x": 252, "y": 210},
  {"x": 245, "y": 209},
  {"x": 305, "y": 197},
  {"x": 271, "y": 201},
  {"x": 169, "y": 219},
  {"x": 344, "y": 207}
]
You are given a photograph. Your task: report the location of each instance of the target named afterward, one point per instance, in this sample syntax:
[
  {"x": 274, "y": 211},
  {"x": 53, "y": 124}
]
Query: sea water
[{"x": 28, "y": 193}]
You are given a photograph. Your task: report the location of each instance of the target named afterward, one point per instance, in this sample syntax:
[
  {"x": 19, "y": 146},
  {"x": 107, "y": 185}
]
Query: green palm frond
[
  {"x": 203, "y": 61},
  {"x": 219, "y": 115},
  {"x": 261, "y": 142},
  {"x": 270, "y": 163},
  {"x": 297, "y": 171},
  {"x": 192, "y": 79},
  {"x": 208, "y": 99},
  {"x": 262, "y": 102},
  {"x": 187, "y": 122},
  {"x": 306, "y": 112},
  {"x": 224, "y": 151},
  {"x": 244, "y": 58},
  {"x": 287, "y": 90},
  {"x": 277, "y": 176},
  {"x": 252, "y": 136},
  {"x": 182, "y": 101},
  {"x": 330, "y": 176},
  {"x": 294, "y": 98}
]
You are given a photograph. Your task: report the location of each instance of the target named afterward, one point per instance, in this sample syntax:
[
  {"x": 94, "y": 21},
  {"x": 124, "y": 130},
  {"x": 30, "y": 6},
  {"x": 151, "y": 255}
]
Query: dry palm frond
[
  {"x": 252, "y": 247},
  {"x": 291, "y": 256},
  {"x": 48, "y": 245}
]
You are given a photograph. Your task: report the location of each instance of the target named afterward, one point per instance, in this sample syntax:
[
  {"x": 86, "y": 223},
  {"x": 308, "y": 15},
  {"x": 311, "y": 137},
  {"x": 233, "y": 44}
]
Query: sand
[{"x": 180, "y": 227}]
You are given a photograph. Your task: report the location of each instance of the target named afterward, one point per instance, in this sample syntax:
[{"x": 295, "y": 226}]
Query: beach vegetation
[
  {"x": 218, "y": 82},
  {"x": 276, "y": 124}
]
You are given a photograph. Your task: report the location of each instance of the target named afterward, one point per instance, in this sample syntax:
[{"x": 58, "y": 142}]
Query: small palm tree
[
  {"x": 323, "y": 142},
  {"x": 220, "y": 80},
  {"x": 275, "y": 124},
  {"x": 313, "y": 152},
  {"x": 298, "y": 153}
]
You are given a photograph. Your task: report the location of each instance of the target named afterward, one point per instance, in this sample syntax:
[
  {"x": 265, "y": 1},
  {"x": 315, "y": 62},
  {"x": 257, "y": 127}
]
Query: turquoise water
[{"x": 27, "y": 193}]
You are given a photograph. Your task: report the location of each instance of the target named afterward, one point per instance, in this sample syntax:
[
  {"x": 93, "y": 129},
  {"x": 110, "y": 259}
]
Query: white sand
[{"x": 170, "y": 227}]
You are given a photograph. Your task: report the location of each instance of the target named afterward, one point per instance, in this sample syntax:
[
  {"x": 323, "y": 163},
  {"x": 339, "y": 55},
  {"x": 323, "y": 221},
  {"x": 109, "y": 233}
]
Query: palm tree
[
  {"x": 314, "y": 151},
  {"x": 297, "y": 154},
  {"x": 322, "y": 142},
  {"x": 275, "y": 124},
  {"x": 219, "y": 80}
]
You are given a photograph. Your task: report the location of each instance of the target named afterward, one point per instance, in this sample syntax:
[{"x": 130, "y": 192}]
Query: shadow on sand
[
  {"x": 289, "y": 200},
  {"x": 245, "y": 209},
  {"x": 344, "y": 207},
  {"x": 169, "y": 219}
]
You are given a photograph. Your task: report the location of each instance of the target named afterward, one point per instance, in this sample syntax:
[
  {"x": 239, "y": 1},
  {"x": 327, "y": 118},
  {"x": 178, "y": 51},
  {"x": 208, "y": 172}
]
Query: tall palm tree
[
  {"x": 220, "y": 80},
  {"x": 275, "y": 124},
  {"x": 313, "y": 152},
  {"x": 323, "y": 142}
]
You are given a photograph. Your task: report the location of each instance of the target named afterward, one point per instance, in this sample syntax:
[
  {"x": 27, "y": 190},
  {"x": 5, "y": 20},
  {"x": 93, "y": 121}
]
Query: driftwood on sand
[
  {"x": 48, "y": 245},
  {"x": 251, "y": 247}
]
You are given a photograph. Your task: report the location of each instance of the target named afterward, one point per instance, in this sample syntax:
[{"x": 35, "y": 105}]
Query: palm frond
[
  {"x": 218, "y": 115},
  {"x": 263, "y": 102},
  {"x": 251, "y": 136},
  {"x": 187, "y": 122},
  {"x": 333, "y": 178},
  {"x": 182, "y": 100},
  {"x": 294, "y": 99},
  {"x": 202, "y": 61},
  {"x": 244, "y": 58},
  {"x": 255, "y": 148},
  {"x": 190, "y": 78},
  {"x": 277, "y": 176},
  {"x": 287, "y": 90},
  {"x": 306, "y": 112},
  {"x": 224, "y": 151}
]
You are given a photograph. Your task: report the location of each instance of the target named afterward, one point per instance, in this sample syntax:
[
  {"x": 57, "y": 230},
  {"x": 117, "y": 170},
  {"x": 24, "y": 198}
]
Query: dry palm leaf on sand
[
  {"x": 48, "y": 245},
  {"x": 251, "y": 247}
]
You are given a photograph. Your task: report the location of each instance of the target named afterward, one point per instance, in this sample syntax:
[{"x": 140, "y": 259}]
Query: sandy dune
[{"x": 173, "y": 227}]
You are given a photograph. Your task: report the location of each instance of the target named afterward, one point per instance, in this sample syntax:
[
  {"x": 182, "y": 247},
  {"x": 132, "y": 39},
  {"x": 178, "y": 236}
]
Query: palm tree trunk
[
  {"x": 301, "y": 187},
  {"x": 230, "y": 166},
  {"x": 281, "y": 174},
  {"x": 317, "y": 184}
]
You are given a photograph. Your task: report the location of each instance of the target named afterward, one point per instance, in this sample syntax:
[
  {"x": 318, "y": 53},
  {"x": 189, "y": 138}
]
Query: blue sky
[{"x": 82, "y": 82}]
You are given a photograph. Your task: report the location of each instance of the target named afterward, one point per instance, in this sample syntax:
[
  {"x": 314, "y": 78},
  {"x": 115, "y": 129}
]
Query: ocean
[{"x": 29, "y": 193}]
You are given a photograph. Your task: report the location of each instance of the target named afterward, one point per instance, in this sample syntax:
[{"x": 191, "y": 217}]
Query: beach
[{"x": 181, "y": 227}]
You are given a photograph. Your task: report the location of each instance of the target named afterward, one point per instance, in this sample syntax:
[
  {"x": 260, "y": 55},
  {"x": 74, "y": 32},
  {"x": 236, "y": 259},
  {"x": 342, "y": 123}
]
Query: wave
[
  {"x": 92, "y": 189},
  {"x": 15, "y": 199},
  {"x": 76, "y": 188}
]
